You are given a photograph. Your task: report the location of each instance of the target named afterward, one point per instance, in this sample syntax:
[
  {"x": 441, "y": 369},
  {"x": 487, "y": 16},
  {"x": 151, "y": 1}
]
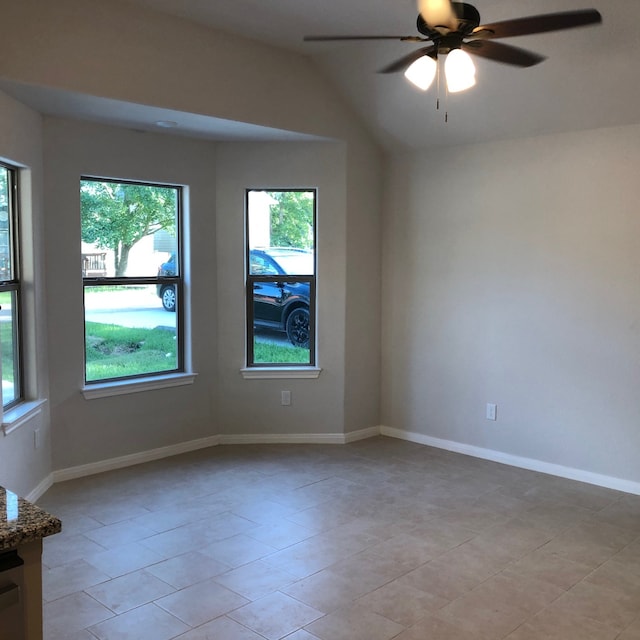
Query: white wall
[
  {"x": 86, "y": 431},
  {"x": 511, "y": 275},
  {"x": 345, "y": 398},
  {"x": 510, "y": 270},
  {"x": 22, "y": 467},
  {"x": 363, "y": 296},
  {"x": 253, "y": 406},
  {"x": 220, "y": 401},
  {"x": 117, "y": 50},
  {"x": 134, "y": 55}
]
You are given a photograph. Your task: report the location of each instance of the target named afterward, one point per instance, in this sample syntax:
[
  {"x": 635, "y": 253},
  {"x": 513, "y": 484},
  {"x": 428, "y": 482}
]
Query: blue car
[{"x": 278, "y": 306}]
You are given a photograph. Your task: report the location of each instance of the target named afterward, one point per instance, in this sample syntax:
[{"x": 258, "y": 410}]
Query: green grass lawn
[
  {"x": 265, "y": 352},
  {"x": 6, "y": 339},
  {"x": 113, "y": 351}
]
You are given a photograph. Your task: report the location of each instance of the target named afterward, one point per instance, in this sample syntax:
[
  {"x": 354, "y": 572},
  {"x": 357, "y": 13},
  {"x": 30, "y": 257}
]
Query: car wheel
[
  {"x": 298, "y": 327},
  {"x": 168, "y": 297}
]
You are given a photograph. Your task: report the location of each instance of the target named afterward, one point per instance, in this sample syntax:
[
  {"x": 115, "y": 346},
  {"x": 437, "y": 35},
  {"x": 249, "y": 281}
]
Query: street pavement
[{"x": 140, "y": 308}]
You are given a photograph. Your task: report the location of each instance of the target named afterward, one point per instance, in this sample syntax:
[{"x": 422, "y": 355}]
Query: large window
[
  {"x": 10, "y": 335},
  {"x": 281, "y": 277},
  {"x": 132, "y": 278}
]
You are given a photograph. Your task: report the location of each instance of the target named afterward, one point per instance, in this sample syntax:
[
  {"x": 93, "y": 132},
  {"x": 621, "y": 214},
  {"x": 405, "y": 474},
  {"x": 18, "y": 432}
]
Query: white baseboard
[
  {"x": 362, "y": 434},
  {"x": 300, "y": 438},
  {"x": 100, "y": 466},
  {"x": 628, "y": 486},
  {"x": 285, "y": 438},
  {"x": 45, "y": 484},
  {"x": 134, "y": 458},
  {"x": 580, "y": 475}
]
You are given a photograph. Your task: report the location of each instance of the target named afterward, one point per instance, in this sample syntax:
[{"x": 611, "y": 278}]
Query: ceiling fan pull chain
[
  {"x": 437, "y": 82},
  {"x": 446, "y": 103}
]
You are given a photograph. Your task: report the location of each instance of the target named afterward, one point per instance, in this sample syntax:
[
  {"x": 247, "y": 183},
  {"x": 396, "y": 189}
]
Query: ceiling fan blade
[
  {"x": 438, "y": 13},
  {"x": 504, "y": 53},
  {"x": 339, "y": 38},
  {"x": 405, "y": 61},
  {"x": 537, "y": 24}
]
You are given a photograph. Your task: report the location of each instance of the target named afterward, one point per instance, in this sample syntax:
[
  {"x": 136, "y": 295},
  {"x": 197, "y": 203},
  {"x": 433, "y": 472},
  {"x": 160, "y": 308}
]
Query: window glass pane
[
  {"x": 6, "y": 222},
  {"x": 128, "y": 332},
  {"x": 281, "y": 323},
  {"x": 282, "y": 220},
  {"x": 128, "y": 230},
  {"x": 130, "y": 267},
  {"x": 281, "y": 244},
  {"x": 9, "y": 346},
  {"x": 9, "y": 291}
]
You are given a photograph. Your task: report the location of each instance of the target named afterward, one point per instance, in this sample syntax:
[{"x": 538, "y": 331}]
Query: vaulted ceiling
[{"x": 590, "y": 79}]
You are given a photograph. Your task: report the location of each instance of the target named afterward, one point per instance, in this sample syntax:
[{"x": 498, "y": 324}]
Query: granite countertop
[{"x": 22, "y": 522}]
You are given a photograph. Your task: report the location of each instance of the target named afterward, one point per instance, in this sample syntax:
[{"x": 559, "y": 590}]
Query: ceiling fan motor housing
[{"x": 468, "y": 19}]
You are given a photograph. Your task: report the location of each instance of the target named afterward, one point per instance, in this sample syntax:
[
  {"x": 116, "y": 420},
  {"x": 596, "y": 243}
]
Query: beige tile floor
[{"x": 374, "y": 540}]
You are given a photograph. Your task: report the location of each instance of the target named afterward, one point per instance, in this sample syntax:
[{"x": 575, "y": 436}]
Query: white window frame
[
  {"x": 149, "y": 380},
  {"x": 254, "y": 370},
  {"x": 14, "y": 285}
]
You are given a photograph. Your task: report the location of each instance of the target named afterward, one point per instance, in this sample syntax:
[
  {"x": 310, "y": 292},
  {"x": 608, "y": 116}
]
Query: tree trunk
[{"x": 122, "y": 260}]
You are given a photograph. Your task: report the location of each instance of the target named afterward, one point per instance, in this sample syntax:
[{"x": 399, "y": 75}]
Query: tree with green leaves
[
  {"x": 116, "y": 215},
  {"x": 292, "y": 219}
]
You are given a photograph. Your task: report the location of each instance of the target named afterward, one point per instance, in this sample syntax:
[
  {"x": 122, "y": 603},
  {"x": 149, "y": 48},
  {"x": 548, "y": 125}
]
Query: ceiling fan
[{"x": 453, "y": 29}]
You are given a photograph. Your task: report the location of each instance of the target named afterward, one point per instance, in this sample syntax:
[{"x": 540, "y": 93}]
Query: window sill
[
  {"x": 119, "y": 388},
  {"x": 279, "y": 373},
  {"x": 15, "y": 417}
]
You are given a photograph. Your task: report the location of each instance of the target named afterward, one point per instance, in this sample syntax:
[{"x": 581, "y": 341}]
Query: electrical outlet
[
  {"x": 492, "y": 411},
  {"x": 285, "y": 398},
  {"x": 36, "y": 438}
]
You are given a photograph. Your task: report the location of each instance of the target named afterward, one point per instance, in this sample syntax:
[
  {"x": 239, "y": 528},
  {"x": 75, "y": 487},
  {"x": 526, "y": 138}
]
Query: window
[
  {"x": 281, "y": 280},
  {"x": 132, "y": 278},
  {"x": 10, "y": 300}
]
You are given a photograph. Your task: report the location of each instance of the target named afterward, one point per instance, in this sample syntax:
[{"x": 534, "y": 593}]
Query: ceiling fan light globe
[
  {"x": 459, "y": 71},
  {"x": 422, "y": 72},
  {"x": 436, "y": 12}
]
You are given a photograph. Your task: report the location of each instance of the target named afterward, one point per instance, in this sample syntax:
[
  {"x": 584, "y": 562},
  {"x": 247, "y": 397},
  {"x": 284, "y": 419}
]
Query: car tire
[
  {"x": 298, "y": 327},
  {"x": 168, "y": 297}
]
